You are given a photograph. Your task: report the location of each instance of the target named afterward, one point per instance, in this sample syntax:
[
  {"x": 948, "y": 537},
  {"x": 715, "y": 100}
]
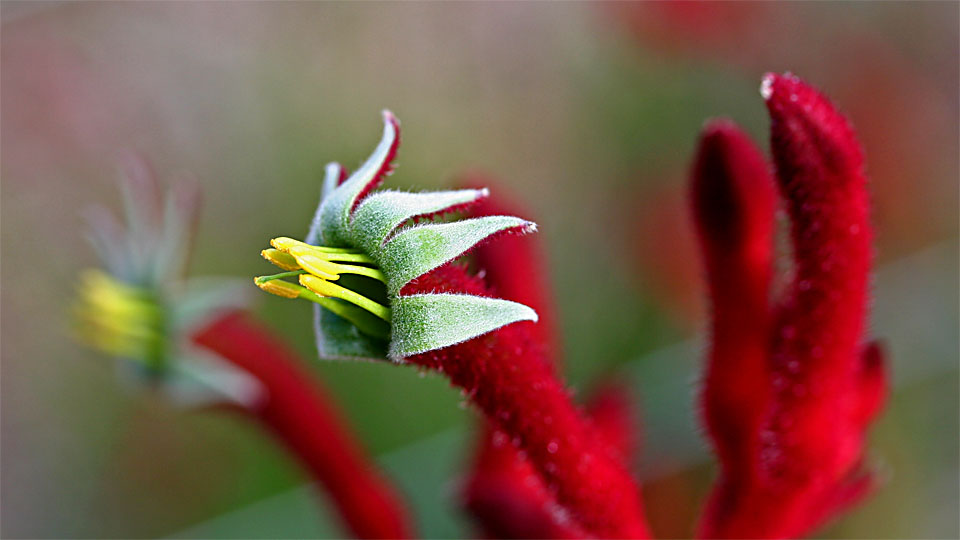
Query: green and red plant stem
[
  {"x": 507, "y": 376},
  {"x": 306, "y": 422}
]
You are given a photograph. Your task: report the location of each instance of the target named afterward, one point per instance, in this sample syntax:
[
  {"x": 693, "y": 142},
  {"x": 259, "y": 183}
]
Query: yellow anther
[
  {"x": 284, "y": 244},
  {"x": 332, "y": 290},
  {"x": 279, "y": 287},
  {"x": 317, "y": 266},
  {"x": 281, "y": 259}
]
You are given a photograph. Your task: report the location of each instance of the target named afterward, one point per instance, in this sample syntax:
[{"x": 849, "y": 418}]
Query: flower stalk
[{"x": 305, "y": 421}]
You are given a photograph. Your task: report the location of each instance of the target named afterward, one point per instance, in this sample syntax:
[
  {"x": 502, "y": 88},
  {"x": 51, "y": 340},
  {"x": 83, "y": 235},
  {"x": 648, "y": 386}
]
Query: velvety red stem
[
  {"x": 507, "y": 497},
  {"x": 503, "y": 492},
  {"x": 506, "y": 376},
  {"x": 515, "y": 267},
  {"x": 308, "y": 425}
]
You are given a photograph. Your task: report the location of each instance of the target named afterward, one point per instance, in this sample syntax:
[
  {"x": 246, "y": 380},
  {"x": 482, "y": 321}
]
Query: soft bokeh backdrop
[{"x": 586, "y": 112}]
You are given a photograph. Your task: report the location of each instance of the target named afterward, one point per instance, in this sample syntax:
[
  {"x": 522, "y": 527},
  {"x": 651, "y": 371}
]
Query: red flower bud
[{"x": 789, "y": 395}]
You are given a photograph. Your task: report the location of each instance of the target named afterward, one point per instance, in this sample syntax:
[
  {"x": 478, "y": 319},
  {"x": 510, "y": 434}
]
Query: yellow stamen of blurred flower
[{"x": 119, "y": 319}]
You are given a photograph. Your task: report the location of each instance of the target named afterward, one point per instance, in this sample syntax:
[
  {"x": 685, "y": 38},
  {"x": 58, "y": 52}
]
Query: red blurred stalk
[
  {"x": 308, "y": 425},
  {"x": 508, "y": 376}
]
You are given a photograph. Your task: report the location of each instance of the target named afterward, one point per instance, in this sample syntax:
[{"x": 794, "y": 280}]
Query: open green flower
[{"x": 370, "y": 250}]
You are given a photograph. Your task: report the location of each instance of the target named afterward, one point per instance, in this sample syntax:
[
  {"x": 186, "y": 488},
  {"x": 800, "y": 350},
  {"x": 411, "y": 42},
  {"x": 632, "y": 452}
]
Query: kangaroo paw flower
[
  {"x": 790, "y": 388},
  {"x": 367, "y": 236},
  {"x": 445, "y": 319}
]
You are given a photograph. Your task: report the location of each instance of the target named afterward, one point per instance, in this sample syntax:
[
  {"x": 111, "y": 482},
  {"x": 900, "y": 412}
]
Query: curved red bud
[
  {"x": 798, "y": 461},
  {"x": 734, "y": 199}
]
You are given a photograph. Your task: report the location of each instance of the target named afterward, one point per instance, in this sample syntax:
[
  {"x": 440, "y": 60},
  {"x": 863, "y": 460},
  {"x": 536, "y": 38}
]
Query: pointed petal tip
[{"x": 389, "y": 118}]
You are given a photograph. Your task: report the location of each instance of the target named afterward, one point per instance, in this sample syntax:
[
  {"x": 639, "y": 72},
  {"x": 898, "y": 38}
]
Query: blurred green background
[{"x": 586, "y": 112}]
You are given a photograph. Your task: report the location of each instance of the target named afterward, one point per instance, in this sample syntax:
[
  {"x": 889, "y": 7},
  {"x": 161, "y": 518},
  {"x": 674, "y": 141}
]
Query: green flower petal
[
  {"x": 425, "y": 322},
  {"x": 338, "y": 339},
  {"x": 417, "y": 250},
  {"x": 337, "y": 205},
  {"x": 382, "y": 212}
]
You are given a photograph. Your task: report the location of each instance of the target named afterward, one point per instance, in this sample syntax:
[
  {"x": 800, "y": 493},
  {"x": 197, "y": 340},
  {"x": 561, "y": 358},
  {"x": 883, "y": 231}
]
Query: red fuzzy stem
[
  {"x": 504, "y": 493},
  {"x": 308, "y": 425},
  {"x": 609, "y": 409},
  {"x": 507, "y": 497},
  {"x": 515, "y": 268},
  {"x": 507, "y": 377}
]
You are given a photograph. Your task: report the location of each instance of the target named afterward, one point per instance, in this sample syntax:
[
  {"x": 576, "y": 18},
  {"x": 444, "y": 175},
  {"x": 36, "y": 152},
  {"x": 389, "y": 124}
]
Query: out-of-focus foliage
[{"x": 587, "y": 112}]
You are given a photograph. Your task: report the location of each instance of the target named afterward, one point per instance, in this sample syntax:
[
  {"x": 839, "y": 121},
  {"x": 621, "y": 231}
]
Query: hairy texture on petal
[
  {"x": 824, "y": 386},
  {"x": 517, "y": 392},
  {"x": 307, "y": 423},
  {"x": 381, "y": 213},
  {"x": 425, "y": 322},
  {"x": 415, "y": 251}
]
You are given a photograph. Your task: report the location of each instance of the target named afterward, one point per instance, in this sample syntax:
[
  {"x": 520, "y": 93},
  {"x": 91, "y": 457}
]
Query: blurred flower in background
[{"x": 586, "y": 113}]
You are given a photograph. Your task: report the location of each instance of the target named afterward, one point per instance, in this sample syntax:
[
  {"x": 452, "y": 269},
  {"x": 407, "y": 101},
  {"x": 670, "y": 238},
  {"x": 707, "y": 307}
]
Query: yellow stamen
[
  {"x": 281, "y": 259},
  {"x": 317, "y": 266},
  {"x": 119, "y": 319},
  {"x": 278, "y": 287},
  {"x": 332, "y": 290}
]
